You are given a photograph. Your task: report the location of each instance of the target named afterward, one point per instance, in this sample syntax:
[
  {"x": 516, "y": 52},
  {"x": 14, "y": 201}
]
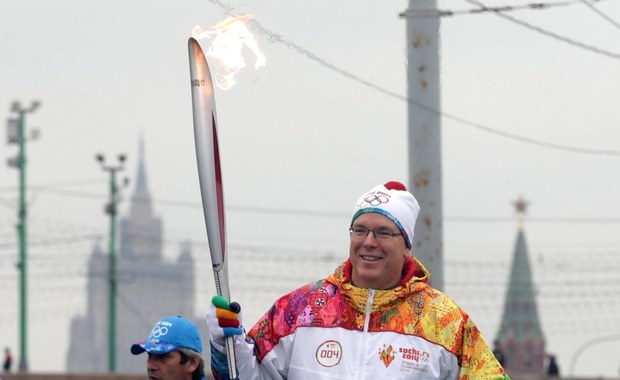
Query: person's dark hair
[{"x": 186, "y": 355}]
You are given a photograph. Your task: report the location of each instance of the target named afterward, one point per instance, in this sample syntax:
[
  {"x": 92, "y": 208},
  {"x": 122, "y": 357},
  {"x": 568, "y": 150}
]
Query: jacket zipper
[{"x": 371, "y": 296}]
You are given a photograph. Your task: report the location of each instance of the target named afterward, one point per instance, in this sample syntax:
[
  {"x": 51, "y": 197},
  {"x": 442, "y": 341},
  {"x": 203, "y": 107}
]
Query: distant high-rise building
[
  {"x": 149, "y": 287},
  {"x": 520, "y": 336}
]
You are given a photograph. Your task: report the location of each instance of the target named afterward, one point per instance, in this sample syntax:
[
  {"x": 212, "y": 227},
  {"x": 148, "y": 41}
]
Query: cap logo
[
  {"x": 393, "y": 201},
  {"x": 374, "y": 199},
  {"x": 160, "y": 329}
]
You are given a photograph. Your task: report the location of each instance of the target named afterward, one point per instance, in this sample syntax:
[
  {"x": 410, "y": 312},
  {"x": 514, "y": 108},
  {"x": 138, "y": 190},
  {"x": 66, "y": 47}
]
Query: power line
[
  {"x": 550, "y": 34},
  {"x": 277, "y": 38},
  {"x": 542, "y": 219},
  {"x": 427, "y": 13},
  {"x": 55, "y": 241},
  {"x": 603, "y": 15},
  {"x": 63, "y": 183},
  {"x": 340, "y": 215}
]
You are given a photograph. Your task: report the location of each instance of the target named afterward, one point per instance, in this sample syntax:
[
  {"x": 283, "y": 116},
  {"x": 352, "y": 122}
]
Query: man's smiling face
[{"x": 377, "y": 263}]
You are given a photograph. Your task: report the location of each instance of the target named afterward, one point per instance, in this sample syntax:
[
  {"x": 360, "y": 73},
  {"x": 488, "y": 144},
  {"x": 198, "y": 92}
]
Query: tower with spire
[
  {"x": 149, "y": 286},
  {"x": 141, "y": 231},
  {"x": 520, "y": 336}
]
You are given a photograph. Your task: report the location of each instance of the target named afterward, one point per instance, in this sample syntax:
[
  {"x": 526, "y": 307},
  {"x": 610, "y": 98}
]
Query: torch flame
[{"x": 228, "y": 38}]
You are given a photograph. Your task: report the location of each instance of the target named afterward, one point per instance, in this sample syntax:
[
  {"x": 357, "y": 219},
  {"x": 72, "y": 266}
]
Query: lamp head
[
  {"x": 15, "y": 106},
  {"x": 35, "y": 105}
]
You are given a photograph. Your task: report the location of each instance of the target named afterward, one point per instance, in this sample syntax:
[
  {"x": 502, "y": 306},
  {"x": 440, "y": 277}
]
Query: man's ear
[
  {"x": 193, "y": 363},
  {"x": 407, "y": 252}
]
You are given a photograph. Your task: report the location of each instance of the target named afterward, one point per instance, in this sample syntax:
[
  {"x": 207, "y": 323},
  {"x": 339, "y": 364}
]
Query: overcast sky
[{"x": 529, "y": 108}]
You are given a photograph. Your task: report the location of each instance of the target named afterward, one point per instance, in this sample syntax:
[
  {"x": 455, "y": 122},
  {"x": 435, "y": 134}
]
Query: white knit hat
[{"x": 394, "y": 201}]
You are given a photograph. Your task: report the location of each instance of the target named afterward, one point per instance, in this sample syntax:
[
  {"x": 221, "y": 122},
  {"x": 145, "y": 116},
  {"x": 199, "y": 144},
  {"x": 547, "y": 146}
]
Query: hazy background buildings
[{"x": 149, "y": 287}]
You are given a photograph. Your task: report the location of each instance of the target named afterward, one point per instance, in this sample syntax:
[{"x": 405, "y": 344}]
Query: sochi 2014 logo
[
  {"x": 417, "y": 356},
  {"x": 387, "y": 355}
]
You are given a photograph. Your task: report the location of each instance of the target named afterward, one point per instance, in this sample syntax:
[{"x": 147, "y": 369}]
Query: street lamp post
[
  {"x": 111, "y": 210},
  {"x": 17, "y": 135}
]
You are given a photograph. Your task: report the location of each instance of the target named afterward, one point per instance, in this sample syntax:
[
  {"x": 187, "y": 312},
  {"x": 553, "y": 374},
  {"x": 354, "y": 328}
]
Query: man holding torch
[{"x": 375, "y": 317}]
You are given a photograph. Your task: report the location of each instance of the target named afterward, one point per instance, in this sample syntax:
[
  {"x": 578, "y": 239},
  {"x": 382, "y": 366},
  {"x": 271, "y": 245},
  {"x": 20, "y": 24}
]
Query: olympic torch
[{"x": 210, "y": 176}]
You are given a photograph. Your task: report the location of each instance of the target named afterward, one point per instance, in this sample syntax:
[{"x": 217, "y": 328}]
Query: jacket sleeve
[
  {"x": 477, "y": 359},
  {"x": 249, "y": 365}
]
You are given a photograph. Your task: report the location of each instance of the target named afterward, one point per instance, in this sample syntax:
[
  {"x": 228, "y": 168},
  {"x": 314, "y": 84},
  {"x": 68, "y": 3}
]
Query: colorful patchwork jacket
[{"x": 330, "y": 329}]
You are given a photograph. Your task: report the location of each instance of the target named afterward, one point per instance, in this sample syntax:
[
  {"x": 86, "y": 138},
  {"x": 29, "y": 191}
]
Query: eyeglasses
[{"x": 361, "y": 232}]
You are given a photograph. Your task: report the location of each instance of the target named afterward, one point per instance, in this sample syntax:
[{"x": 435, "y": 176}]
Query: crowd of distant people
[
  {"x": 553, "y": 370},
  {"x": 8, "y": 360}
]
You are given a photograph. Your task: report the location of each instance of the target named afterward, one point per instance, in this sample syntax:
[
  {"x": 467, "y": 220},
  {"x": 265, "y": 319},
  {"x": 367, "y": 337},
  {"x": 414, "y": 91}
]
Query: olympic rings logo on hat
[
  {"x": 374, "y": 200},
  {"x": 158, "y": 331}
]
